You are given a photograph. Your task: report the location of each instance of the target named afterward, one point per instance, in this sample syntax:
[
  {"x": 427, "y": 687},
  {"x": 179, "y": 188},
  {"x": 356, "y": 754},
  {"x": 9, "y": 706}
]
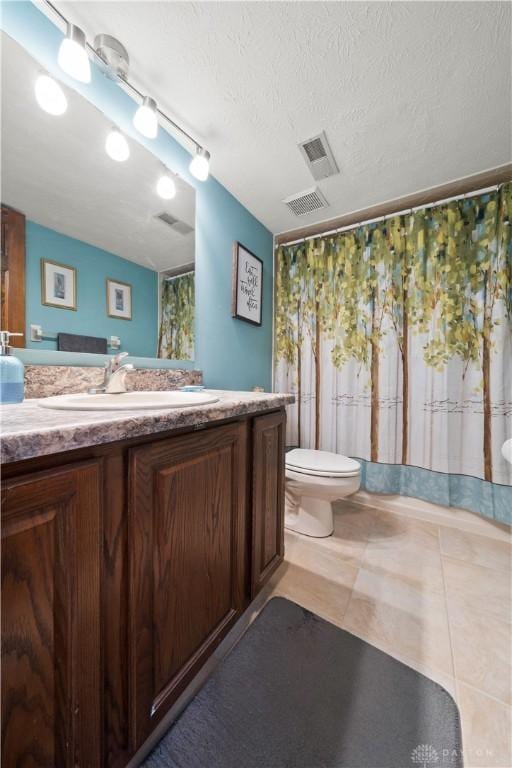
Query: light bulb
[
  {"x": 200, "y": 164},
  {"x": 116, "y": 146},
  {"x": 166, "y": 187},
  {"x": 50, "y": 96},
  {"x": 145, "y": 119},
  {"x": 73, "y": 58}
]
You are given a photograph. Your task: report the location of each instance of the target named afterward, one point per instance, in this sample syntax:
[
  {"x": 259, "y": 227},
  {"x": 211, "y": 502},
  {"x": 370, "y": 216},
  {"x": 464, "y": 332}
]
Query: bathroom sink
[{"x": 128, "y": 401}]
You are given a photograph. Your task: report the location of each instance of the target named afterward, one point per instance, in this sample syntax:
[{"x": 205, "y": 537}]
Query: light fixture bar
[
  {"x": 125, "y": 83},
  {"x": 131, "y": 88}
]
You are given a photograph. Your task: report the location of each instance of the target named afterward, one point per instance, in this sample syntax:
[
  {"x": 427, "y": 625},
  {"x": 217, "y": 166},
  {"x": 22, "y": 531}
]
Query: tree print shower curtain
[
  {"x": 177, "y": 304},
  {"x": 396, "y": 338}
]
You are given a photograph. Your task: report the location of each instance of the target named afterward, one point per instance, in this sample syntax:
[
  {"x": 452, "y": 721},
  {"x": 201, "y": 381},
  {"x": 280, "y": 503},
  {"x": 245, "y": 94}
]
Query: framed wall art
[
  {"x": 58, "y": 285},
  {"x": 247, "y": 285},
  {"x": 119, "y": 299}
]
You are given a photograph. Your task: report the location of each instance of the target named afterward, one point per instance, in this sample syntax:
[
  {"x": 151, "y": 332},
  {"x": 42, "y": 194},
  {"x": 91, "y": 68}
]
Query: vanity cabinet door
[
  {"x": 267, "y": 497},
  {"x": 187, "y": 561},
  {"x": 51, "y": 549}
]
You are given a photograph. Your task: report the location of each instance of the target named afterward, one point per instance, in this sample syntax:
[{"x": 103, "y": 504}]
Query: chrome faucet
[{"x": 114, "y": 378}]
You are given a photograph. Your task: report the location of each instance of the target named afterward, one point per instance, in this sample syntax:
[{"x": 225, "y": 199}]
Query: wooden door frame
[{"x": 13, "y": 272}]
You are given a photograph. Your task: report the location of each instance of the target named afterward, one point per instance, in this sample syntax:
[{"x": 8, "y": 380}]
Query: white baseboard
[{"x": 434, "y": 513}]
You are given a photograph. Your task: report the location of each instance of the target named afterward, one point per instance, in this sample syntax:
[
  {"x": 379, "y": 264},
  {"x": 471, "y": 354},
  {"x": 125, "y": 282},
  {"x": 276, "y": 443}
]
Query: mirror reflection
[{"x": 108, "y": 232}]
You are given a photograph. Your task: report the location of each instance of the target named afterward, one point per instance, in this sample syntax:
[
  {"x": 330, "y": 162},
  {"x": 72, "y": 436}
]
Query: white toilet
[{"x": 314, "y": 479}]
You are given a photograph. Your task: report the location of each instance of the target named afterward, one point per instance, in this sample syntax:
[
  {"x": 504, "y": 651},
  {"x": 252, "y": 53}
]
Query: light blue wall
[
  {"x": 232, "y": 354},
  {"x": 138, "y": 335}
]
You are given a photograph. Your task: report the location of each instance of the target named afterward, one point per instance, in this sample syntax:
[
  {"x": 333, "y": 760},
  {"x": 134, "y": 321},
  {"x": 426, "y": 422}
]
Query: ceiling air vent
[
  {"x": 176, "y": 224},
  {"x": 318, "y": 156},
  {"x": 306, "y": 202}
]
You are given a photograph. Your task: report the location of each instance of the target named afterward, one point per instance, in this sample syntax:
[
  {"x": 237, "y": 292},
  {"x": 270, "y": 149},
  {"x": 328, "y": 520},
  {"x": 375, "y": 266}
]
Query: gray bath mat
[{"x": 297, "y": 692}]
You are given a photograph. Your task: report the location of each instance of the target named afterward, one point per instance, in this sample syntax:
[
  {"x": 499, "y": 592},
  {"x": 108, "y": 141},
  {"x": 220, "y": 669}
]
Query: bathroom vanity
[
  {"x": 131, "y": 544},
  {"x": 132, "y": 540}
]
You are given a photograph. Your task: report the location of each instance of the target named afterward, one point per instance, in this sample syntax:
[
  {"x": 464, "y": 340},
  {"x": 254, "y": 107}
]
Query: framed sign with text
[{"x": 247, "y": 285}]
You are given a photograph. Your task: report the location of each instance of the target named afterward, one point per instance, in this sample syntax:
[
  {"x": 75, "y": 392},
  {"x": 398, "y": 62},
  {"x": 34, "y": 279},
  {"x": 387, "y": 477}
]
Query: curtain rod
[
  {"x": 463, "y": 196},
  {"x": 180, "y": 274}
]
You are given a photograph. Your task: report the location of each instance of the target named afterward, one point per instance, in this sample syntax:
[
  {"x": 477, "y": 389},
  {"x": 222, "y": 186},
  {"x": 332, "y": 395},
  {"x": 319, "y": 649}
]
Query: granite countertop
[{"x": 27, "y": 430}]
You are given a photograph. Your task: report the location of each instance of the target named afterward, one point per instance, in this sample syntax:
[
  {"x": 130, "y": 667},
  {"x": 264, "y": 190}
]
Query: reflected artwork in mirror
[{"x": 103, "y": 245}]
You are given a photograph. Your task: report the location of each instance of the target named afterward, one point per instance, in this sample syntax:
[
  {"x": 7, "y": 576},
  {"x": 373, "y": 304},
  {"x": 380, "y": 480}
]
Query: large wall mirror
[{"x": 109, "y": 264}]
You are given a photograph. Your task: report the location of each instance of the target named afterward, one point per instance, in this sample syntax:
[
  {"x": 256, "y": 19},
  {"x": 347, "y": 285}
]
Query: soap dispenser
[{"x": 12, "y": 372}]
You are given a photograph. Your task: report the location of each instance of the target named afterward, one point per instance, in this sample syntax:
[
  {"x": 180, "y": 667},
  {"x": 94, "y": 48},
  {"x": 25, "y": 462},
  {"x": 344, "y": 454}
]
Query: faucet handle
[
  {"x": 119, "y": 356},
  {"x": 115, "y": 361}
]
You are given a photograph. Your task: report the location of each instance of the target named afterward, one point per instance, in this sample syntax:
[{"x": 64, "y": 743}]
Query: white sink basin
[{"x": 128, "y": 401}]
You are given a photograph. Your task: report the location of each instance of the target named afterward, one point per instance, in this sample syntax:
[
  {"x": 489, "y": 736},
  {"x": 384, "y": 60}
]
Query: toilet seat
[
  {"x": 321, "y": 463},
  {"x": 314, "y": 473}
]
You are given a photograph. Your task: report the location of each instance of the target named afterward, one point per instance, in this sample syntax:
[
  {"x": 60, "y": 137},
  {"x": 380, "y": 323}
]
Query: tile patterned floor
[{"x": 436, "y": 598}]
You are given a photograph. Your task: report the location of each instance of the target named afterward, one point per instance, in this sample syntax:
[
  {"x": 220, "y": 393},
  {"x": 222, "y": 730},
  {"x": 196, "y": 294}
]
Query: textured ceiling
[
  {"x": 410, "y": 94},
  {"x": 56, "y": 171}
]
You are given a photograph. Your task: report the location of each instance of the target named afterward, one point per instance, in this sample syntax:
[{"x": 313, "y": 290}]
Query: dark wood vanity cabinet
[
  {"x": 123, "y": 567},
  {"x": 51, "y": 667}
]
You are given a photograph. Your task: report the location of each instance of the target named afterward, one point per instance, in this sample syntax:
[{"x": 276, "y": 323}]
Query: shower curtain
[
  {"x": 177, "y": 303},
  {"x": 396, "y": 338}
]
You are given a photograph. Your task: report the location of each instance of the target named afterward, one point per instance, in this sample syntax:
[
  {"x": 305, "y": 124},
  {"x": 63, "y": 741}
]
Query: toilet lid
[{"x": 321, "y": 463}]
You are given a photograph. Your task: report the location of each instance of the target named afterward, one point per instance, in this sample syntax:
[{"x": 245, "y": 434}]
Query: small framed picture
[
  {"x": 58, "y": 285},
  {"x": 247, "y": 285},
  {"x": 119, "y": 300}
]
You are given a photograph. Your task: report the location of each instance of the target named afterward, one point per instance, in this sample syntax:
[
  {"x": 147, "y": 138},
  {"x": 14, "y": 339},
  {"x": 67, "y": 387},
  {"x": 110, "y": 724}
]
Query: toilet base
[{"x": 311, "y": 517}]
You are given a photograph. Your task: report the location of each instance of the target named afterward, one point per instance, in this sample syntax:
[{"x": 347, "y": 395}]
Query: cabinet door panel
[
  {"x": 187, "y": 560},
  {"x": 267, "y": 497},
  {"x": 51, "y": 552}
]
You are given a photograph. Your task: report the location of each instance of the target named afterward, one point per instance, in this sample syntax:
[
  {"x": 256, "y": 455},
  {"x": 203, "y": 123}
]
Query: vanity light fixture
[
  {"x": 200, "y": 164},
  {"x": 166, "y": 188},
  {"x": 146, "y": 118},
  {"x": 49, "y": 95},
  {"x": 112, "y": 58},
  {"x": 116, "y": 146},
  {"x": 73, "y": 57}
]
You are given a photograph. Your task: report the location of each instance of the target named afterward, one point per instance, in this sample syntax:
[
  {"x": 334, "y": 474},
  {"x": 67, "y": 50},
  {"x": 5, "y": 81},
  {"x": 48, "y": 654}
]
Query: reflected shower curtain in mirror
[
  {"x": 396, "y": 338},
  {"x": 177, "y": 303}
]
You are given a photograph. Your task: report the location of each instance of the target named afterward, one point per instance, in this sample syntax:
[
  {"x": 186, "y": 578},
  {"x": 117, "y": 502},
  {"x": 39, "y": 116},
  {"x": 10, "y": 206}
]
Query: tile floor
[{"x": 436, "y": 598}]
